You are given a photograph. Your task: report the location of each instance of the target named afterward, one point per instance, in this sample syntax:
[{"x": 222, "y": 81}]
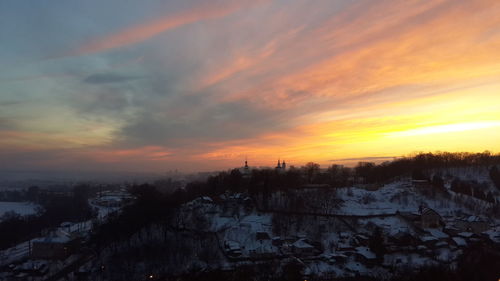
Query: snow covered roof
[
  {"x": 361, "y": 236},
  {"x": 441, "y": 244},
  {"x": 232, "y": 245},
  {"x": 365, "y": 252},
  {"x": 206, "y": 198},
  {"x": 466, "y": 234},
  {"x": 421, "y": 247},
  {"x": 459, "y": 241},
  {"x": 428, "y": 211},
  {"x": 302, "y": 244},
  {"x": 338, "y": 255},
  {"x": 428, "y": 238},
  {"x": 436, "y": 233}
]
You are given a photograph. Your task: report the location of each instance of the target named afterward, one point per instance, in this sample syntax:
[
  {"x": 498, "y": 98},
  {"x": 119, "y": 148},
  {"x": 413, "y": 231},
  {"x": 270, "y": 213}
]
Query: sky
[{"x": 157, "y": 85}]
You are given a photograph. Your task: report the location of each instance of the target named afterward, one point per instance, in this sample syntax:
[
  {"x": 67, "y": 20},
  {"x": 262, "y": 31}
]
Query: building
[
  {"x": 365, "y": 256},
  {"x": 302, "y": 248},
  {"x": 262, "y": 235},
  {"x": 429, "y": 218},
  {"x": 233, "y": 249},
  {"x": 281, "y": 167},
  {"x": 245, "y": 171},
  {"x": 473, "y": 224}
]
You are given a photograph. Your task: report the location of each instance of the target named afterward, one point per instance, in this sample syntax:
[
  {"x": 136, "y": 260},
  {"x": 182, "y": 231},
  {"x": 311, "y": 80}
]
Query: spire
[
  {"x": 283, "y": 165},
  {"x": 279, "y": 164},
  {"x": 246, "y": 169}
]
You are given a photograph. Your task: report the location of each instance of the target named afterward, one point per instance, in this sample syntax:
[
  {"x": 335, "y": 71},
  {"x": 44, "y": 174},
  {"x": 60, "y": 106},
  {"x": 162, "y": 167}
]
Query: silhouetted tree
[
  {"x": 495, "y": 176},
  {"x": 366, "y": 171},
  {"x": 311, "y": 169},
  {"x": 376, "y": 244}
]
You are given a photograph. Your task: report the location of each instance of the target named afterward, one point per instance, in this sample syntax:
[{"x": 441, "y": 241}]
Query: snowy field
[{"x": 22, "y": 208}]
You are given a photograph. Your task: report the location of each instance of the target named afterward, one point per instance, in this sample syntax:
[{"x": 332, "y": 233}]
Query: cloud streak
[{"x": 138, "y": 33}]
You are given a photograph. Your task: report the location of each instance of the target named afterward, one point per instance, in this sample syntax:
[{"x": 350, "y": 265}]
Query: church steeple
[
  {"x": 245, "y": 170},
  {"x": 279, "y": 164}
]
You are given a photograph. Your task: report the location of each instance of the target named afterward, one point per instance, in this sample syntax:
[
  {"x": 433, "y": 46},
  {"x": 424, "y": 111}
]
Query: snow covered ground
[
  {"x": 392, "y": 198},
  {"x": 22, "y": 208}
]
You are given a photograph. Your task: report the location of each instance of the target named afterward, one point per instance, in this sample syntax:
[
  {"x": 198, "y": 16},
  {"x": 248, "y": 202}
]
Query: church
[
  {"x": 281, "y": 167},
  {"x": 246, "y": 171}
]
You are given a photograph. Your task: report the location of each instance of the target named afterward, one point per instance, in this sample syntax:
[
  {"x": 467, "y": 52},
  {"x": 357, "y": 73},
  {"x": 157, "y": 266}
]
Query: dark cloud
[
  {"x": 104, "y": 78},
  {"x": 197, "y": 122},
  {"x": 6, "y": 124},
  {"x": 104, "y": 102}
]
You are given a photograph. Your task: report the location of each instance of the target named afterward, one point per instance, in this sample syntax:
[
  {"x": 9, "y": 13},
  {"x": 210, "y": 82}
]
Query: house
[
  {"x": 423, "y": 250},
  {"x": 362, "y": 240},
  {"x": 232, "y": 248},
  {"x": 262, "y": 251},
  {"x": 402, "y": 240},
  {"x": 429, "y": 240},
  {"x": 473, "y": 224},
  {"x": 345, "y": 243},
  {"x": 302, "y": 248},
  {"x": 365, "y": 256},
  {"x": 451, "y": 230},
  {"x": 344, "y": 246},
  {"x": 429, "y": 218},
  {"x": 58, "y": 244},
  {"x": 262, "y": 235},
  {"x": 459, "y": 241},
  {"x": 230, "y": 205},
  {"x": 339, "y": 258},
  {"x": 277, "y": 241}
]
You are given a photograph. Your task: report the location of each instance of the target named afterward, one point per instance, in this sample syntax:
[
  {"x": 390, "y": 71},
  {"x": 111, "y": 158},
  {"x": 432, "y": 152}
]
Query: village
[
  {"x": 344, "y": 243},
  {"x": 369, "y": 231}
]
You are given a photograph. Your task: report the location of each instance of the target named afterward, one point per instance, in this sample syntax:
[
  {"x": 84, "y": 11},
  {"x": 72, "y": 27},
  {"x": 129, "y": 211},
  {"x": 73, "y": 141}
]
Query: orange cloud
[
  {"x": 141, "y": 32},
  {"x": 146, "y": 153}
]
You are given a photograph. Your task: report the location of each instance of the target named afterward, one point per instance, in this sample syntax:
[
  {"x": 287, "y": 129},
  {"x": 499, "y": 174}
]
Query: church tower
[{"x": 246, "y": 169}]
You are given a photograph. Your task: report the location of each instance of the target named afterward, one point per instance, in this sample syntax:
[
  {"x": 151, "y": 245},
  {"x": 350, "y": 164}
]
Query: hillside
[{"x": 375, "y": 231}]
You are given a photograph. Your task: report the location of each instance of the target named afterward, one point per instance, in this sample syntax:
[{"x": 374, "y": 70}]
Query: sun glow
[{"x": 449, "y": 128}]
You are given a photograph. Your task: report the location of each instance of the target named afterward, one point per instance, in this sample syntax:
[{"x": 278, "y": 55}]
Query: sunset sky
[{"x": 126, "y": 85}]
